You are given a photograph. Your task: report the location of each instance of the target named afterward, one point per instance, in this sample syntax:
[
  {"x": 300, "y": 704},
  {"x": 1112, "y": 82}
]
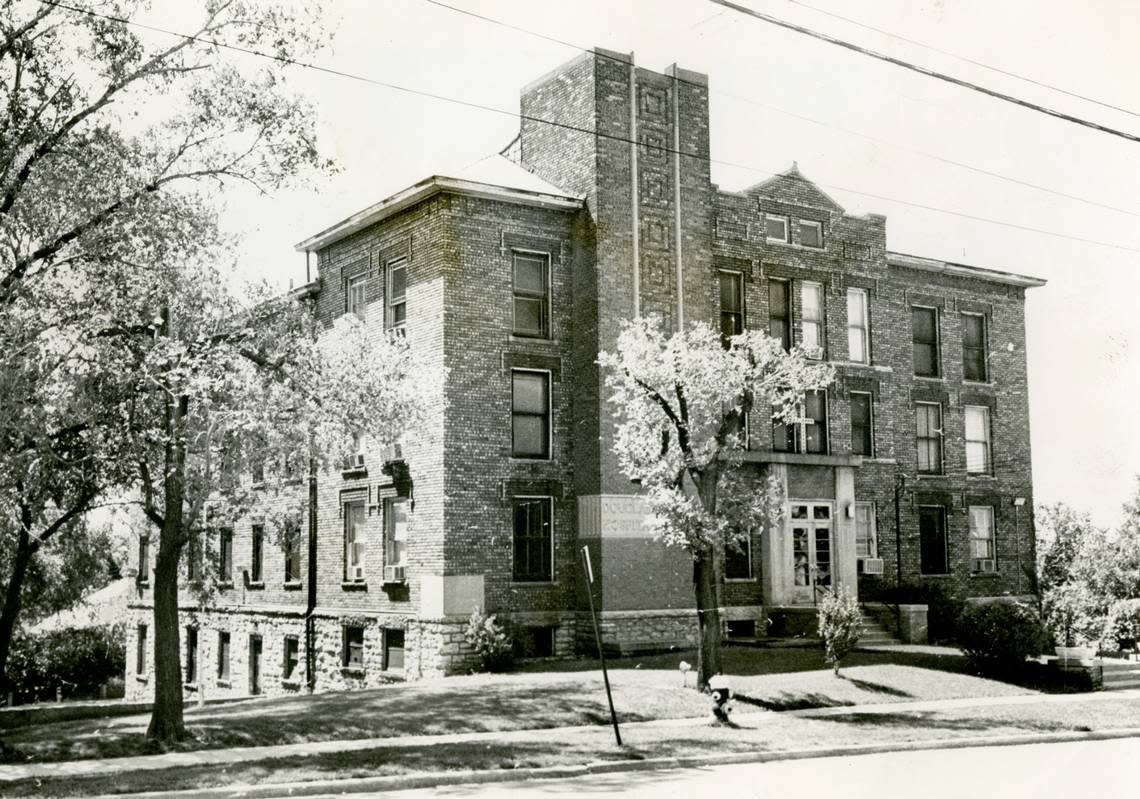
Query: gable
[{"x": 792, "y": 188}]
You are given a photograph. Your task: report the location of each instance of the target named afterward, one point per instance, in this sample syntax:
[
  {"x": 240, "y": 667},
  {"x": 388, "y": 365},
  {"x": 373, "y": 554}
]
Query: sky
[{"x": 875, "y": 137}]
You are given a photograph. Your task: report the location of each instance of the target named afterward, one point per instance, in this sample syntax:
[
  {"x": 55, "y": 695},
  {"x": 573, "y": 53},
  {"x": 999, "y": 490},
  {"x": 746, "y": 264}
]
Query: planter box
[{"x": 1075, "y": 653}]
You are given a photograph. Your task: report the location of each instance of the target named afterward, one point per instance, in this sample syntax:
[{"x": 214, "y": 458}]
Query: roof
[
  {"x": 962, "y": 270},
  {"x": 494, "y": 178},
  {"x": 791, "y": 186},
  {"x": 98, "y": 609}
]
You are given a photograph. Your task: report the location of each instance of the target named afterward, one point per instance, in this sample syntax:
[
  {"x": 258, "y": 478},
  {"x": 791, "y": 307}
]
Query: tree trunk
[
  {"x": 11, "y": 609},
  {"x": 166, "y": 719},
  {"x": 708, "y": 619}
]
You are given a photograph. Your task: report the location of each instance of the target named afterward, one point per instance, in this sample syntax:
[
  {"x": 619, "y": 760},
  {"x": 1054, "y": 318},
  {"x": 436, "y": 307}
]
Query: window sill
[
  {"x": 223, "y": 684},
  {"x": 352, "y": 671},
  {"x": 255, "y": 585},
  {"x": 142, "y": 678},
  {"x": 225, "y": 585},
  {"x": 531, "y": 583},
  {"x": 939, "y": 576},
  {"x": 292, "y": 585},
  {"x": 932, "y": 476},
  {"x": 142, "y": 583},
  {"x": 931, "y": 378},
  {"x": 793, "y": 246},
  {"x": 985, "y": 575},
  {"x": 526, "y": 459},
  {"x": 980, "y": 476},
  {"x": 874, "y": 367},
  {"x": 294, "y": 685},
  {"x": 353, "y": 585},
  {"x": 740, "y": 579},
  {"x": 355, "y": 473},
  {"x": 979, "y": 383},
  {"x": 890, "y": 461},
  {"x": 523, "y": 338},
  {"x": 192, "y": 687}
]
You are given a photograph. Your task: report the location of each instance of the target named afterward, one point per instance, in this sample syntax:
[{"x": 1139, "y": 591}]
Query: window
[
  {"x": 354, "y": 461},
  {"x": 397, "y": 292},
  {"x": 974, "y": 347},
  {"x": 533, "y": 540},
  {"x": 982, "y": 553},
  {"x": 532, "y": 295},
  {"x": 866, "y": 542},
  {"x": 257, "y": 549},
  {"x": 924, "y": 329},
  {"x": 354, "y": 296},
  {"x": 776, "y": 228},
  {"x": 354, "y": 541},
  {"x": 144, "y": 559},
  {"x": 226, "y": 554},
  {"x": 292, "y": 543},
  {"x": 534, "y": 641},
  {"x": 738, "y": 559},
  {"x": 813, "y": 319},
  {"x": 140, "y": 650},
  {"x": 811, "y": 234},
  {"x": 223, "y": 656},
  {"x": 191, "y": 655},
  {"x": 352, "y": 655},
  {"x": 393, "y": 649},
  {"x": 530, "y": 414},
  {"x": 395, "y": 531},
  {"x": 807, "y": 432},
  {"x": 932, "y": 539},
  {"x": 292, "y": 657},
  {"x": 858, "y": 329},
  {"x": 862, "y": 439},
  {"x": 977, "y": 439},
  {"x": 928, "y": 437},
  {"x": 780, "y": 312},
  {"x": 731, "y": 305},
  {"x": 193, "y": 556}
]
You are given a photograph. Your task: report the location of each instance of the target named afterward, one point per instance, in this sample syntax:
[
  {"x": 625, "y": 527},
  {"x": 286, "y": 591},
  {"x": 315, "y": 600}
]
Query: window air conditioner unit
[
  {"x": 356, "y": 573},
  {"x": 354, "y": 462},
  {"x": 985, "y": 565},
  {"x": 871, "y": 565},
  {"x": 395, "y": 574}
]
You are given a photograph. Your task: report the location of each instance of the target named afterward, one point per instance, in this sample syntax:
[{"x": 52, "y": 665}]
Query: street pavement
[{"x": 1040, "y": 771}]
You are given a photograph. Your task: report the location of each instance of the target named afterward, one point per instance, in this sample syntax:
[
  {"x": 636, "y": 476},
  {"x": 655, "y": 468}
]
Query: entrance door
[
  {"x": 255, "y": 664},
  {"x": 810, "y": 527}
]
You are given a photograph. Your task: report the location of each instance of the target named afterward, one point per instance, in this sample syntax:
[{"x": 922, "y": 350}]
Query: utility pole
[{"x": 598, "y": 640}]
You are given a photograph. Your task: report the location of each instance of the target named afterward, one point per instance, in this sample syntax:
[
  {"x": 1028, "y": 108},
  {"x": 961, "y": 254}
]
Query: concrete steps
[
  {"x": 873, "y": 633},
  {"x": 1117, "y": 675}
]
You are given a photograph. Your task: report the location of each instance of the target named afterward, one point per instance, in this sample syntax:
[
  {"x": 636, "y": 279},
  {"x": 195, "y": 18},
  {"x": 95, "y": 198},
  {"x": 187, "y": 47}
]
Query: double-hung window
[
  {"x": 395, "y": 531},
  {"x": 776, "y": 228},
  {"x": 924, "y": 337},
  {"x": 191, "y": 675},
  {"x": 731, "y": 305},
  {"x": 352, "y": 652},
  {"x": 140, "y": 650},
  {"x": 738, "y": 558},
  {"x": 928, "y": 436},
  {"x": 226, "y": 554},
  {"x": 780, "y": 312},
  {"x": 354, "y": 546},
  {"x": 982, "y": 551},
  {"x": 533, "y": 540},
  {"x": 531, "y": 294},
  {"x": 812, "y": 326},
  {"x": 862, "y": 438},
  {"x": 530, "y": 414},
  {"x": 292, "y": 547},
  {"x": 858, "y": 327},
  {"x": 354, "y": 296},
  {"x": 223, "y": 656},
  {"x": 807, "y": 432},
  {"x": 397, "y": 291},
  {"x": 978, "y": 460},
  {"x": 974, "y": 347},
  {"x": 257, "y": 552},
  {"x": 932, "y": 539},
  {"x": 144, "y": 559},
  {"x": 291, "y": 658},
  {"x": 811, "y": 234},
  {"x": 866, "y": 545}
]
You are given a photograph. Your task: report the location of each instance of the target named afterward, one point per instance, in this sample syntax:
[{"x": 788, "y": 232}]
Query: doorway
[
  {"x": 810, "y": 526},
  {"x": 254, "y": 665}
]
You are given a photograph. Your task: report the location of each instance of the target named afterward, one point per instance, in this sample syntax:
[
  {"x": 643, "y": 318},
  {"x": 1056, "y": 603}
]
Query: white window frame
[
  {"x": 985, "y": 442},
  {"x": 549, "y": 415},
  {"x": 813, "y": 318},
  {"x": 873, "y": 533},
  {"x": 937, "y": 375},
  {"x": 787, "y": 238},
  {"x": 354, "y": 304},
  {"x": 390, "y": 302},
  {"x": 870, "y": 418},
  {"x": 976, "y": 538},
  {"x": 355, "y": 549},
  {"x": 812, "y": 224},
  {"x": 856, "y": 332},
  {"x": 941, "y": 431},
  {"x": 389, "y": 531},
  {"x": 985, "y": 348},
  {"x": 546, "y": 299},
  {"x": 549, "y": 502}
]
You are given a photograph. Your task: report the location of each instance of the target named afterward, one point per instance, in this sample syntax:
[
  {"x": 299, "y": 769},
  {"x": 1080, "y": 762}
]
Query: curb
[{"x": 423, "y": 780}]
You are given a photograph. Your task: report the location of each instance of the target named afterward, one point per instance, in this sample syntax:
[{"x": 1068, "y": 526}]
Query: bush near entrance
[{"x": 999, "y": 636}]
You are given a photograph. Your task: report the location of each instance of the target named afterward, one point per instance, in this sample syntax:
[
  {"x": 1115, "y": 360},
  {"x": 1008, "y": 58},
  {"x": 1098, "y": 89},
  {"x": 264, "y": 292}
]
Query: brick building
[{"x": 514, "y": 276}]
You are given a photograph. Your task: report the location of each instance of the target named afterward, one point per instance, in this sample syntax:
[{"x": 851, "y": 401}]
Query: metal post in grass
[{"x": 598, "y": 640}]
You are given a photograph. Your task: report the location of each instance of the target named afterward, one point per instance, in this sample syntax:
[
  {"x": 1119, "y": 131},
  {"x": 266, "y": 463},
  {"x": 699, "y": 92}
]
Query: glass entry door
[{"x": 810, "y": 527}]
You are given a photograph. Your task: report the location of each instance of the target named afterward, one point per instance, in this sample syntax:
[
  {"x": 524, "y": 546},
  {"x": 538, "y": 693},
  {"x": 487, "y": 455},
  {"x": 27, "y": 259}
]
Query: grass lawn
[
  {"x": 560, "y": 694},
  {"x": 763, "y": 732}
]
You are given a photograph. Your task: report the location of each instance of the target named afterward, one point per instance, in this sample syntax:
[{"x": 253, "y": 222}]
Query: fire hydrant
[{"x": 721, "y": 693}]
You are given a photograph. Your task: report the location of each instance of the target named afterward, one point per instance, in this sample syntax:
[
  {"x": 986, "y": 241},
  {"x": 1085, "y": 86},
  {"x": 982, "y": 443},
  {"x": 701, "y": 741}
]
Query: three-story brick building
[{"x": 514, "y": 277}]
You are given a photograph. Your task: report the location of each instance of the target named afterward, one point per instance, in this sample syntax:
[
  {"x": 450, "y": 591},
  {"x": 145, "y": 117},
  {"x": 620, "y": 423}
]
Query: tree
[
  {"x": 680, "y": 402},
  {"x": 840, "y": 625}
]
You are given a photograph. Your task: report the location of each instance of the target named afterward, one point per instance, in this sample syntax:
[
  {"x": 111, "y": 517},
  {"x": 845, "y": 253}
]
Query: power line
[
  {"x": 565, "y": 126},
  {"x": 966, "y": 59},
  {"x": 758, "y": 104},
  {"x": 930, "y": 73}
]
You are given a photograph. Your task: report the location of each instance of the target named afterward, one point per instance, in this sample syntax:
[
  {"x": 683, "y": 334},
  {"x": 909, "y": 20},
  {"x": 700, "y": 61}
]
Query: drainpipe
[
  {"x": 634, "y": 189},
  {"x": 311, "y": 598},
  {"x": 900, "y": 483}
]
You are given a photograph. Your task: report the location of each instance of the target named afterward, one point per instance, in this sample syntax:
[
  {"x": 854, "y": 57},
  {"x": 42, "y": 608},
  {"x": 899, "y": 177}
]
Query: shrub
[
  {"x": 1073, "y": 614},
  {"x": 840, "y": 624},
  {"x": 1123, "y": 623},
  {"x": 78, "y": 662},
  {"x": 490, "y": 641},
  {"x": 999, "y": 636}
]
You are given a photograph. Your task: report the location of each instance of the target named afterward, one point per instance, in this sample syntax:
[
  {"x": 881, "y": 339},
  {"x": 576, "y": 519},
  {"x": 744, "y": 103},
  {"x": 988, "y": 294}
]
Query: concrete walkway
[{"x": 86, "y": 768}]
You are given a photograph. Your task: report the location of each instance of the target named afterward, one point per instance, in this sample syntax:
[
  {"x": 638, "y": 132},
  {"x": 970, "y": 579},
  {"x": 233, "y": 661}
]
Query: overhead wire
[{"x": 566, "y": 126}]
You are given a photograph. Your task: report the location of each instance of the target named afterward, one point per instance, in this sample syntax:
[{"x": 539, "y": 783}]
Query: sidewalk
[{"x": 110, "y": 766}]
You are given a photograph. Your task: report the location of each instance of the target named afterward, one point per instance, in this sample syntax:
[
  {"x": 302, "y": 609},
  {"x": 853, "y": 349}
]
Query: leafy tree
[
  {"x": 840, "y": 625},
  {"x": 680, "y": 400}
]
